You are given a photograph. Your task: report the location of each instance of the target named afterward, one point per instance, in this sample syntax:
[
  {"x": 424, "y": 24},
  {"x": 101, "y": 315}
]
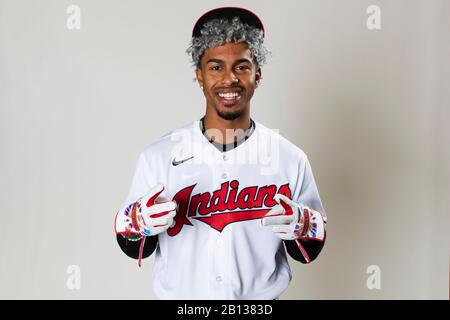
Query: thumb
[
  {"x": 285, "y": 202},
  {"x": 287, "y": 208},
  {"x": 149, "y": 199}
]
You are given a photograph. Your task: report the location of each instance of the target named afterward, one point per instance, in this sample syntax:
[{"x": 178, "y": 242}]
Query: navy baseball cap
[{"x": 245, "y": 15}]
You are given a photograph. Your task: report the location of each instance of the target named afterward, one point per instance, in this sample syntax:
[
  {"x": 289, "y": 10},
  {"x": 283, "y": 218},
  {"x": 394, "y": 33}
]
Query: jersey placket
[{"x": 220, "y": 278}]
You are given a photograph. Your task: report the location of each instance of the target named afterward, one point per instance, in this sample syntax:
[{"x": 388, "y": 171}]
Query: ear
[
  {"x": 199, "y": 76},
  {"x": 258, "y": 76}
]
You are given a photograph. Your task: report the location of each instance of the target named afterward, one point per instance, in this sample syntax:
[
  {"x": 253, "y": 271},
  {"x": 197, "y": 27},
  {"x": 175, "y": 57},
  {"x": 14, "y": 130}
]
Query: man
[{"x": 223, "y": 198}]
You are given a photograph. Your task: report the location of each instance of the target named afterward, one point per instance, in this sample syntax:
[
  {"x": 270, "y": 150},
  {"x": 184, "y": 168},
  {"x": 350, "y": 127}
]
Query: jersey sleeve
[
  {"x": 307, "y": 194},
  {"x": 141, "y": 183},
  {"x": 131, "y": 248}
]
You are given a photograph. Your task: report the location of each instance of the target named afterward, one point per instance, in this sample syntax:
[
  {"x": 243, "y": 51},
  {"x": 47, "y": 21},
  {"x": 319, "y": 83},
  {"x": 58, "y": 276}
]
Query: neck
[{"x": 226, "y": 131}]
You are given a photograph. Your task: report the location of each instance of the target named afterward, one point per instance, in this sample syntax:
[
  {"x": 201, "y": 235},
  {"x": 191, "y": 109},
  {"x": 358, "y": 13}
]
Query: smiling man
[
  {"x": 222, "y": 199},
  {"x": 228, "y": 77}
]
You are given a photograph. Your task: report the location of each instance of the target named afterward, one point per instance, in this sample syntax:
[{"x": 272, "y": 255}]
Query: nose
[{"x": 229, "y": 78}]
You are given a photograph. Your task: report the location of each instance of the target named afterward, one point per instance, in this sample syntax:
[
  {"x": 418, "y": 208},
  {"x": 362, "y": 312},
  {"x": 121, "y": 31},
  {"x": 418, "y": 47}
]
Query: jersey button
[
  {"x": 225, "y": 158},
  {"x": 224, "y": 175},
  {"x": 219, "y": 279},
  {"x": 219, "y": 241}
]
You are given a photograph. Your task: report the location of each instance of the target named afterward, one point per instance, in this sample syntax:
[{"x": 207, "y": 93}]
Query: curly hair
[{"x": 217, "y": 32}]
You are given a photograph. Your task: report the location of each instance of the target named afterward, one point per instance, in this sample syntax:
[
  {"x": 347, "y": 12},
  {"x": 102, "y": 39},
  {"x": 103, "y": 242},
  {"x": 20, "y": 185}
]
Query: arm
[
  {"x": 311, "y": 249},
  {"x": 307, "y": 250},
  {"x": 131, "y": 248},
  {"x": 300, "y": 222},
  {"x": 301, "y": 228},
  {"x": 146, "y": 214}
]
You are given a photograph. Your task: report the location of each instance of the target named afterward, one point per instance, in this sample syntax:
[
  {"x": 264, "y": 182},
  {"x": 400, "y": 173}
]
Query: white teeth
[{"x": 229, "y": 95}]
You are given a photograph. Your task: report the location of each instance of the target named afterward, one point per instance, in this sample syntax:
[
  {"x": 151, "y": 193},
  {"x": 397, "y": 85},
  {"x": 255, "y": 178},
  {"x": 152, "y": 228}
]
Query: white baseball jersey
[{"x": 217, "y": 247}]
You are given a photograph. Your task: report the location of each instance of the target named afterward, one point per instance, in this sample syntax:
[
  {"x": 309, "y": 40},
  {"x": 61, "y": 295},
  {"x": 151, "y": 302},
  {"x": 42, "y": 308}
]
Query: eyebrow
[{"x": 235, "y": 63}]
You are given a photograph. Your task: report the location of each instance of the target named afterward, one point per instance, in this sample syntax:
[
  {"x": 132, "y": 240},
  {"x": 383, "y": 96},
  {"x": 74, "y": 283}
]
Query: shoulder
[
  {"x": 167, "y": 143},
  {"x": 286, "y": 148}
]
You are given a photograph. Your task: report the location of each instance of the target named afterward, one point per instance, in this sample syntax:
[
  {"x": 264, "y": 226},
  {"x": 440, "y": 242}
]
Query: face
[{"x": 229, "y": 77}]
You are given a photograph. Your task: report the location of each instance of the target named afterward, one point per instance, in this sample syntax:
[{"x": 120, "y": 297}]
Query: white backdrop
[{"x": 369, "y": 107}]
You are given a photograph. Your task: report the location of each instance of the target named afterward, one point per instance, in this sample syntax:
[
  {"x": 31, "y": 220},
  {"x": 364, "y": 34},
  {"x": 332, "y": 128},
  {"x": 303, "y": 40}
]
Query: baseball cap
[{"x": 245, "y": 15}]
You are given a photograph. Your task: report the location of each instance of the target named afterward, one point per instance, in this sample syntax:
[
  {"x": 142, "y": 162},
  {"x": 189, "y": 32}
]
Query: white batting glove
[
  {"x": 148, "y": 216},
  {"x": 291, "y": 221}
]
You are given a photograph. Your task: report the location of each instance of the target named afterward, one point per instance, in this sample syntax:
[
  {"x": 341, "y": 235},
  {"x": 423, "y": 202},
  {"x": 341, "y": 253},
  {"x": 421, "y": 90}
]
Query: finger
[
  {"x": 160, "y": 218},
  {"x": 287, "y": 207},
  {"x": 280, "y": 219},
  {"x": 284, "y": 232},
  {"x": 279, "y": 196},
  {"x": 163, "y": 214},
  {"x": 161, "y": 221},
  {"x": 161, "y": 199},
  {"x": 172, "y": 214},
  {"x": 281, "y": 229},
  {"x": 157, "y": 230},
  {"x": 149, "y": 199},
  {"x": 156, "y": 222},
  {"x": 161, "y": 209},
  {"x": 275, "y": 211},
  {"x": 286, "y": 236}
]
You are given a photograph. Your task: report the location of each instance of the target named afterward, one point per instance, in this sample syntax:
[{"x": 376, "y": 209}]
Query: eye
[
  {"x": 243, "y": 68},
  {"x": 215, "y": 68}
]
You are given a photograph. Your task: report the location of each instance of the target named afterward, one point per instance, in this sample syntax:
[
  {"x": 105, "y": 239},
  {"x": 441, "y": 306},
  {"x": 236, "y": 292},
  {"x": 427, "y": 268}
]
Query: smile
[{"x": 229, "y": 98}]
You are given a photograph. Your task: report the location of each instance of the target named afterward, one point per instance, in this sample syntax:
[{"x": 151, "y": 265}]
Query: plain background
[{"x": 369, "y": 107}]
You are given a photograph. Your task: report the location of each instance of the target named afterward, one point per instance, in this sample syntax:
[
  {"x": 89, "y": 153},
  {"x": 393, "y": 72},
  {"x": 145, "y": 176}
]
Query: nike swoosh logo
[{"x": 175, "y": 162}]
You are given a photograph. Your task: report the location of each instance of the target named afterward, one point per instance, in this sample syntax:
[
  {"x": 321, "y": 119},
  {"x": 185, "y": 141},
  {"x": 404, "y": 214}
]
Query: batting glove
[
  {"x": 148, "y": 216},
  {"x": 292, "y": 221}
]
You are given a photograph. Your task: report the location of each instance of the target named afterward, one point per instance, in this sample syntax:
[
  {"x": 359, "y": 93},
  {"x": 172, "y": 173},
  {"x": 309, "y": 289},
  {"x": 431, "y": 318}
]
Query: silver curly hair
[{"x": 217, "y": 32}]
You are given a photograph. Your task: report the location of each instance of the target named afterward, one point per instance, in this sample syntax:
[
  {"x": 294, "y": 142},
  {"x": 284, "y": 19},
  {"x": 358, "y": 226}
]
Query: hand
[
  {"x": 148, "y": 216},
  {"x": 291, "y": 221}
]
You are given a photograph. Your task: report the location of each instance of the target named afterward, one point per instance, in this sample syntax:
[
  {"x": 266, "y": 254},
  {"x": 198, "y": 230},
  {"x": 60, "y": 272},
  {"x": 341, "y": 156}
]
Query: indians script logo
[{"x": 224, "y": 206}]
